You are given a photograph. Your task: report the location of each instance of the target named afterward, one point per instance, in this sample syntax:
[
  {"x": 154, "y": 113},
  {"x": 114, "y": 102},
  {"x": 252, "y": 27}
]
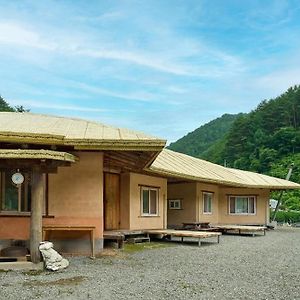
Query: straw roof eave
[
  {"x": 219, "y": 182},
  {"x": 191, "y": 177},
  {"x": 37, "y": 154},
  {"x": 81, "y": 134},
  {"x": 178, "y": 165},
  {"x": 84, "y": 144}
]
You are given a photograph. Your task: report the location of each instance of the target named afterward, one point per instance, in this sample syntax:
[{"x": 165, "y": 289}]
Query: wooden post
[
  {"x": 37, "y": 195},
  {"x": 288, "y": 176}
]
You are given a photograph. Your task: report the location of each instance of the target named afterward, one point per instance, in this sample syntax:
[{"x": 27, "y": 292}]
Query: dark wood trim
[
  {"x": 180, "y": 181},
  {"x": 47, "y": 195},
  {"x": 104, "y": 198},
  {"x": 243, "y": 195},
  {"x": 2, "y": 215},
  {"x": 149, "y": 186},
  {"x": 208, "y": 192}
]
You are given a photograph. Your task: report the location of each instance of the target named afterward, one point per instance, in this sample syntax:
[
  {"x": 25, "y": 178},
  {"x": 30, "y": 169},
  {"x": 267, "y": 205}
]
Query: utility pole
[{"x": 288, "y": 176}]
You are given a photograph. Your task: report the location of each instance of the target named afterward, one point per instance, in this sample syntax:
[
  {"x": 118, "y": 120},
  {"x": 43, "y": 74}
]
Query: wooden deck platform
[
  {"x": 241, "y": 229},
  {"x": 184, "y": 233},
  {"x": 121, "y": 235}
]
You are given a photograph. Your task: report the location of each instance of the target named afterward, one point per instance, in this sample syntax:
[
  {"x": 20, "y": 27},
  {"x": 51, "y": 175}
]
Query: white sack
[{"x": 53, "y": 260}]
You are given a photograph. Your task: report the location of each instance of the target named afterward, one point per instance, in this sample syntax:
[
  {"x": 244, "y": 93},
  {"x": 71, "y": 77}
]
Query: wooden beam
[
  {"x": 37, "y": 196},
  {"x": 127, "y": 160}
]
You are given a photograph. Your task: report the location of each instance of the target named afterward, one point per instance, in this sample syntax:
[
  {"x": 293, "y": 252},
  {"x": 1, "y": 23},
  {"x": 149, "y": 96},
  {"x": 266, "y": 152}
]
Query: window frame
[
  {"x": 19, "y": 212},
  {"x": 179, "y": 201},
  {"x": 149, "y": 214},
  {"x": 248, "y": 197},
  {"x": 211, "y": 202}
]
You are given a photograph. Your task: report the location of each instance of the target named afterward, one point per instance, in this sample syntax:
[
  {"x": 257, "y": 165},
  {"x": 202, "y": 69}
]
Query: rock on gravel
[{"x": 240, "y": 267}]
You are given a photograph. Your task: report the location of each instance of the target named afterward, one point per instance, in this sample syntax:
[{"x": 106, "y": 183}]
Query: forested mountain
[
  {"x": 198, "y": 142},
  {"x": 267, "y": 140}
]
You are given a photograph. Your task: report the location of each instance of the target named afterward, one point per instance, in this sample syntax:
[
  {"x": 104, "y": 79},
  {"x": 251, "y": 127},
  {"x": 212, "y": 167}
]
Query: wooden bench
[{"x": 90, "y": 229}]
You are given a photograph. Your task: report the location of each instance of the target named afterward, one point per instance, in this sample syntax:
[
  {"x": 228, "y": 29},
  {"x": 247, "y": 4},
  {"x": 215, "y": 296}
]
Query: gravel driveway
[{"x": 240, "y": 267}]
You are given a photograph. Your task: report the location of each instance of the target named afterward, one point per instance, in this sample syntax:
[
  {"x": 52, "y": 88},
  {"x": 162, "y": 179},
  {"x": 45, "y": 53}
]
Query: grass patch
[
  {"x": 59, "y": 282},
  {"x": 33, "y": 272},
  {"x": 108, "y": 252},
  {"x": 132, "y": 248}
]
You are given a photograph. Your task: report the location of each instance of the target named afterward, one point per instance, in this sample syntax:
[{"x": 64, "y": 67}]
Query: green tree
[{"x": 4, "y": 106}]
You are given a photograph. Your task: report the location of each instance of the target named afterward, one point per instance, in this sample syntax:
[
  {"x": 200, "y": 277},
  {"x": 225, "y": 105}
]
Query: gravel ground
[{"x": 240, "y": 267}]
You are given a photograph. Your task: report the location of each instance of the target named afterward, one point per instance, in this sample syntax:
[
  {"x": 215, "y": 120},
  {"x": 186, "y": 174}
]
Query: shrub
[{"x": 287, "y": 216}]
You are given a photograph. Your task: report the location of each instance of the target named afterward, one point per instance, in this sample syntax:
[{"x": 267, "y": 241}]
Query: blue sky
[{"x": 163, "y": 67}]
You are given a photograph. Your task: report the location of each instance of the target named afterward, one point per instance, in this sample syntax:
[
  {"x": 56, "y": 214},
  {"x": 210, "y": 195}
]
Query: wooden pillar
[{"x": 37, "y": 195}]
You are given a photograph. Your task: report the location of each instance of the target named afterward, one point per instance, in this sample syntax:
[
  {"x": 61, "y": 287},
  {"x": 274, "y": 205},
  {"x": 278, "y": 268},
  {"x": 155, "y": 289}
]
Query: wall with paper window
[
  {"x": 185, "y": 193},
  {"x": 15, "y": 205},
  {"x": 74, "y": 197},
  {"x": 146, "y": 196},
  {"x": 243, "y": 206}
]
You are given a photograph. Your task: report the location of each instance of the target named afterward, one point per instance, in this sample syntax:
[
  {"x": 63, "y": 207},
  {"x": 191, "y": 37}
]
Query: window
[
  {"x": 207, "y": 202},
  {"x": 15, "y": 198},
  {"x": 149, "y": 201},
  {"x": 242, "y": 205},
  {"x": 175, "y": 204}
]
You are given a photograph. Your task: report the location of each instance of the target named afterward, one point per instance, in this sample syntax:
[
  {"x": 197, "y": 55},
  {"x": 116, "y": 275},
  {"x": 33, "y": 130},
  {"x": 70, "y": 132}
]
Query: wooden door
[{"x": 111, "y": 201}]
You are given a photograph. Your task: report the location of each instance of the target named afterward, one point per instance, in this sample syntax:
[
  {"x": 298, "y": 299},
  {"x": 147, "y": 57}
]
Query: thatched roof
[
  {"x": 36, "y": 154},
  {"x": 178, "y": 165},
  {"x": 82, "y": 134}
]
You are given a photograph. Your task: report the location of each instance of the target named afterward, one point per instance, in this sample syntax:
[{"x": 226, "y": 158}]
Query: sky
[{"x": 164, "y": 67}]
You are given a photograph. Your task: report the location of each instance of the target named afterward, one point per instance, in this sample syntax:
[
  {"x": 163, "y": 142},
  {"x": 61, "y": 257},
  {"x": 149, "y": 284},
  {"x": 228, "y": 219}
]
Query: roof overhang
[
  {"x": 187, "y": 177},
  {"x": 46, "y": 161},
  {"x": 174, "y": 165},
  {"x": 37, "y": 155},
  {"x": 83, "y": 144}
]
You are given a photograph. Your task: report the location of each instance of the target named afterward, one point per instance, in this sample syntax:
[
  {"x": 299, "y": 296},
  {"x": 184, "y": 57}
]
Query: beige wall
[
  {"x": 204, "y": 217},
  {"x": 187, "y": 193},
  {"x": 262, "y": 206},
  {"x": 133, "y": 210},
  {"x": 76, "y": 193},
  {"x": 191, "y": 195}
]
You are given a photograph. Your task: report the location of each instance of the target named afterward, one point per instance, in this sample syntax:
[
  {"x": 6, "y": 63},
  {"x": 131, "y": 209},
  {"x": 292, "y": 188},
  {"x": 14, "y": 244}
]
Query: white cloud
[
  {"x": 12, "y": 33},
  {"x": 162, "y": 61},
  {"x": 109, "y": 16},
  {"x": 37, "y": 104},
  {"x": 137, "y": 96},
  {"x": 279, "y": 81}
]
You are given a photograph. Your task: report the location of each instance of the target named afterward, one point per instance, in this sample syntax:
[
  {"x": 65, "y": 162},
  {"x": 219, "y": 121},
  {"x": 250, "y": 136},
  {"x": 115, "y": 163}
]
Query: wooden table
[
  {"x": 90, "y": 229},
  {"x": 195, "y": 225}
]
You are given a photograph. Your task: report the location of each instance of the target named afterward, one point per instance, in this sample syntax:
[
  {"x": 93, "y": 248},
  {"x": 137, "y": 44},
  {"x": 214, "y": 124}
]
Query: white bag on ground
[{"x": 53, "y": 260}]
